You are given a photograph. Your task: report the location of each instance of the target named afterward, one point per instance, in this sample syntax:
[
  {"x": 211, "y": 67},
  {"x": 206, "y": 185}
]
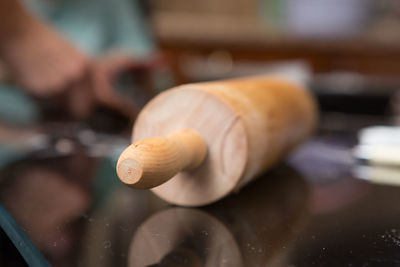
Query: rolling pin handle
[{"x": 153, "y": 161}]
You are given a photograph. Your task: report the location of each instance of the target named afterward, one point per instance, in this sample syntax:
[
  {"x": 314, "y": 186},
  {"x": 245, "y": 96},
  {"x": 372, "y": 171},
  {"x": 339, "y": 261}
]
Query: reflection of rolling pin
[
  {"x": 254, "y": 228},
  {"x": 242, "y": 125}
]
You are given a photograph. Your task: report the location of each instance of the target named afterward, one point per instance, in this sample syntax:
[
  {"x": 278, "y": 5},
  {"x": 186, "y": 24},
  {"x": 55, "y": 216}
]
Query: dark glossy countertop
[{"x": 309, "y": 211}]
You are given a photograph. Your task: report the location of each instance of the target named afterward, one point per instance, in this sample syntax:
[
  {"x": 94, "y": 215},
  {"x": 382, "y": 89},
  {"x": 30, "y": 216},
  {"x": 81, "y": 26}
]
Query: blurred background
[
  {"x": 346, "y": 50},
  {"x": 58, "y": 151}
]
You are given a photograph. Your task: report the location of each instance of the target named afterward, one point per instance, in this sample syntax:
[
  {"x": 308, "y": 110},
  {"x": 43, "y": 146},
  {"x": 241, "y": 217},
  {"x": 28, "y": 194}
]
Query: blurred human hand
[
  {"x": 104, "y": 73},
  {"x": 42, "y": 61}
]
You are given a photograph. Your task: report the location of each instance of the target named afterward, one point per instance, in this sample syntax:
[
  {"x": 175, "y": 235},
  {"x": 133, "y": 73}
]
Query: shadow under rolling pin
[{"x": 197, "y": 143}]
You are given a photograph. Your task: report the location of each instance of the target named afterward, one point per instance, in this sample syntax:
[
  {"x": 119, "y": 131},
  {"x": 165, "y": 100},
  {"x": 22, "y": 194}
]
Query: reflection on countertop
[
  {"x": 312, "y": 214},
  {"x": 246, "y": 229}
]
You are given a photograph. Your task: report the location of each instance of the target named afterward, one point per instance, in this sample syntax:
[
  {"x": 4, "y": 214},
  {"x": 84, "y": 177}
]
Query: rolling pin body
[{"x": 247, "y": 125}]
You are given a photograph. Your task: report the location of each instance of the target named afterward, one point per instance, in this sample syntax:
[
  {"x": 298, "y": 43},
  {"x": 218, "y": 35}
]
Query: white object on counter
[
  {"x": 379, "y": 154},
  {"x": 380, "y": 135},
  {"x": 378, "y": 174},
  {"x": 379, "y": 145}
]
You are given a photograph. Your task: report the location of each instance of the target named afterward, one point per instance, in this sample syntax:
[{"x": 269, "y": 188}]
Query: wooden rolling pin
[{"x": 196, "y": 143}]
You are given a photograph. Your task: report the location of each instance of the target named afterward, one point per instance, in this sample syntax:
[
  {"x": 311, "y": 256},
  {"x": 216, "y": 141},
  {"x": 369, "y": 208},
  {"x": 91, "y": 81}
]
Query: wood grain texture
[
  {"x": 153, "y": 161},
  {"x": 217, "y": 124},
  {"x": 248, "y": 125},
  {"x": 277, "y": 114}
]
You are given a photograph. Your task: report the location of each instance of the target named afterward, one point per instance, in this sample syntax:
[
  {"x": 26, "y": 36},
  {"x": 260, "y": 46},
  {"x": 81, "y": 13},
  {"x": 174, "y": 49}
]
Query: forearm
[
  {"x": 38, "y": 58},
  {"x": 14, "y": 19}
]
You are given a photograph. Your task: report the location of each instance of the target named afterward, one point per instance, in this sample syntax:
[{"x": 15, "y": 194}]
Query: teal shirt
[{"x": 96, "y": 26}]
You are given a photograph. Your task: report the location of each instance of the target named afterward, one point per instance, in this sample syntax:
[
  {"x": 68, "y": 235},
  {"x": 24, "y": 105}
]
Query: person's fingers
[
  {"x": 81, "y": 99},
  {"x": 76, "y": 67},
  {"x": 115, "y": 62},
  {"x": 103, "y": 91},
  {"x": 72, "y": 71},
  {"x": 107, "y": 95}
]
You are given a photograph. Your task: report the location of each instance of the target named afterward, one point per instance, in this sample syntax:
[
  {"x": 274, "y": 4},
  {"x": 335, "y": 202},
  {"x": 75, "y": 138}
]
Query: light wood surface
[
  {"x": 247, "y": 124},
  {"x": 153, "y": 161}
]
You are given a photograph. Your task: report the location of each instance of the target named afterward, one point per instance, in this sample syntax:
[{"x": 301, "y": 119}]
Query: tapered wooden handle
[{"x": 153, "y": 161}]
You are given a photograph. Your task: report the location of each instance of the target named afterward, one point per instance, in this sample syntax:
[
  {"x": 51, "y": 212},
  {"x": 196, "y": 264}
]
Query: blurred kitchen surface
[
  {"x": 57, "y": 174},
  {"x": 311, "y": 213}
]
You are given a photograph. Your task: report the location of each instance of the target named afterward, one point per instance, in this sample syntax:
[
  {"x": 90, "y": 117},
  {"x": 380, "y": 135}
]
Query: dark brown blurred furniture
[{"x": 363, "y": 56}]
